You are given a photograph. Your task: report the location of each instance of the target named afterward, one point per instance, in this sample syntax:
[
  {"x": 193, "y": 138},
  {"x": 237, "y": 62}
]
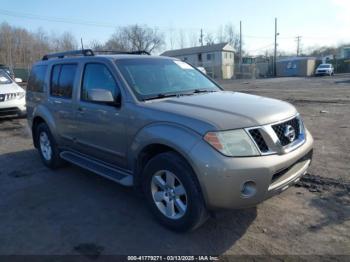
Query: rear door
[
  {"x": 62, "y": 80},
  {"x": 102, "y": 126},
  {"x": 35, "y": 92}
]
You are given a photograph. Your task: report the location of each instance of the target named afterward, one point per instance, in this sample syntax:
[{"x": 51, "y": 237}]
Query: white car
[
  {"x": 202, "y": 69},
  {"x": 325, "y": 69},
  {"x": 12, "y": 96}
]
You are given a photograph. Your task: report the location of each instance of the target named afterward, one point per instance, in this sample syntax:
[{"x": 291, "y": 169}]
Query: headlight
[
  {"x": 232, "y": 143},
  {"x": 21, "y": 95}
]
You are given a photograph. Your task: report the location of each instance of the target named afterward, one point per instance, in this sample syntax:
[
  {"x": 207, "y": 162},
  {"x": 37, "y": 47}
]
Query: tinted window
[
  {"x": 62, "y": 80},
  {"x": 37, "y": 79},
  {"x": 97, "y": 76}
]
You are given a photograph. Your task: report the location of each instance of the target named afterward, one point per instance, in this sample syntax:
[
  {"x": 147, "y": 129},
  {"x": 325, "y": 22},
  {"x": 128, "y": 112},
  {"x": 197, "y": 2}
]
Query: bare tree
[
  {"x": 231, "y": 36},
  {"x": 209, "y": 39},
  {"x": 20, "y": 48},
  {"x": 171, "y": 37},
  {"x": 193, "y": 39},
  {"x": 95, "y": 45},
  {"x": 182, "y": 40},
  {"x": 220, "y": 34},
  {"x": 136, "y": 38}
]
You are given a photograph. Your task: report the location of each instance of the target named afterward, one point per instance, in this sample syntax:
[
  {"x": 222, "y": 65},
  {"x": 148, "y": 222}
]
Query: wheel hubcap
[
  {"x": 169, "y": 194},
  {"x": 45, "y": 146}
]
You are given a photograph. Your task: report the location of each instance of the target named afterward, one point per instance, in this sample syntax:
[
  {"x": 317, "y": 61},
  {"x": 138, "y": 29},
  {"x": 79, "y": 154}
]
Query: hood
[
  {"x": 227, "y": 110},
  {"x": 10, "y": 88}
]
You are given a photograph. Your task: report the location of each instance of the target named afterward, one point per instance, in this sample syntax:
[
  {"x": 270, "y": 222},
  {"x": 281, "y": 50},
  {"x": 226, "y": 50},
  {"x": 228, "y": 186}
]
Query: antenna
[{"x": 82, "y": 44}]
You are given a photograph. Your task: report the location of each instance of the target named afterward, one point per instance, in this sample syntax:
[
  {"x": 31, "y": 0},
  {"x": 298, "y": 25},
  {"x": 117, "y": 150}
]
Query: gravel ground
[{"x": 72, "y": 211}]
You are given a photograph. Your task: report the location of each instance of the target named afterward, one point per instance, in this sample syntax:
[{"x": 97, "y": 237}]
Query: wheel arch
[
  {"x": 156, "y": 139},
  {"x": 42, "y": 115}
]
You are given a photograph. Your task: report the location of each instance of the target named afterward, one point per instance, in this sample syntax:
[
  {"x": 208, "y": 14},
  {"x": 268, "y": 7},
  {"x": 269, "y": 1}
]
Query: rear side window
[
  {"x": 62, "y": 80},
  {"x": 37, "y": 79}
]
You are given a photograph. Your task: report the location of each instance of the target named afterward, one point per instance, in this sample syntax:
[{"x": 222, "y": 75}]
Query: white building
[{"x": 217, "y": 59}]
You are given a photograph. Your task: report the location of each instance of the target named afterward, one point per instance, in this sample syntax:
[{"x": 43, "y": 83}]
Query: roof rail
[
  {"x": 83, "y": 52},
  {"x": 141, "y": 52}
]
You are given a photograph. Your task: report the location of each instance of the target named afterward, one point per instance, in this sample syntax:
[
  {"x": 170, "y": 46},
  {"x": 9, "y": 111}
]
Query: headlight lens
[
  {"x": 232, "y": 143},
  {"x": 21, "y": 95}
]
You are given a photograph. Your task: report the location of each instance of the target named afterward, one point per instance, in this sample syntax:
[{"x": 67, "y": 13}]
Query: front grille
[
  {"x": 7, "y": 97},
  {"x": 280, "y": 129},
  {"x": 259, "y": 140}
]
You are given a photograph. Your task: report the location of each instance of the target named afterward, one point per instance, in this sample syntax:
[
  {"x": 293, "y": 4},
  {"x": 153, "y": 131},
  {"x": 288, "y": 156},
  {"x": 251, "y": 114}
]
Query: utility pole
[
  {"x": 240, "y": 46},
  {"x": 298, "y": 39},
  {"x": 275, "y": 51},
  {"x": 201, "y": 37}
]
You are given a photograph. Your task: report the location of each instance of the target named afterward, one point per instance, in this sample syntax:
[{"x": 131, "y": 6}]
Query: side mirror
[
  {"x": 18, "y": 80},
  {"x": 103, "y": 96}
]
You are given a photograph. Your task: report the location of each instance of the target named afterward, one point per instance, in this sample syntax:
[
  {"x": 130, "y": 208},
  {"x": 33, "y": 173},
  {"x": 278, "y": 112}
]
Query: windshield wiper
[
  {"x": 161, "y": 95},
  {"x": 203, "y": 90},
  {"x": 165, "y": 95}
]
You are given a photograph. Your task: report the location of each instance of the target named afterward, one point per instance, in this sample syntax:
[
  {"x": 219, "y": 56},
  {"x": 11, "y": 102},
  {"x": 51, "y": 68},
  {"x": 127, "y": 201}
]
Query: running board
[{"x": 99, "y": 168}]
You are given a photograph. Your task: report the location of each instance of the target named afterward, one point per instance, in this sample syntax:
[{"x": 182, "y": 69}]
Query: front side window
[
  {"x": 152, "y": 77},
  {"x": 62, "y": 80},
  {"x": 37, "y": 79},
  {"x": 4, "y": 78},
  {"x": 97, "y": 76}
]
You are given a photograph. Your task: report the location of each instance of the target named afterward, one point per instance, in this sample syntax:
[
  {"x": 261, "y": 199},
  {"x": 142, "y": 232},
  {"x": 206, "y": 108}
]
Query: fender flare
[{"x": 176, "y": 137}]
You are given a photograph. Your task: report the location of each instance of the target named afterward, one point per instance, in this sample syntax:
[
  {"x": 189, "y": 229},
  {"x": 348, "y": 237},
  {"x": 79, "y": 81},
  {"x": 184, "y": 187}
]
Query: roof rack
[
  {"x": 141, "y": 52},
  {"x": 89, "y": 52},
  {"x": 83, "y": 52}
]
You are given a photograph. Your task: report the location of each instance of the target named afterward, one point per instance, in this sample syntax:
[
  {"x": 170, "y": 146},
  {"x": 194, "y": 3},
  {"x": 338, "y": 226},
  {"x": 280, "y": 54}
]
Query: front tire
[
  {"x": 47, "y": 147},
  {"x": 173, "y": 192}
]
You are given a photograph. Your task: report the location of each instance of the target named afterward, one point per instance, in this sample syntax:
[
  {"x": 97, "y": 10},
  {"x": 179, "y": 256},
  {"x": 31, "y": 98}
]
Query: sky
[{"x": 318, "y": 22}]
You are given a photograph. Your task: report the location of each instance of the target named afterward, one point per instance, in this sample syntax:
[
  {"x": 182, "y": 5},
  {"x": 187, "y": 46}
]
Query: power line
[
  {"x": 261, "y": 48},
  {"x": 54, "y": 19}
]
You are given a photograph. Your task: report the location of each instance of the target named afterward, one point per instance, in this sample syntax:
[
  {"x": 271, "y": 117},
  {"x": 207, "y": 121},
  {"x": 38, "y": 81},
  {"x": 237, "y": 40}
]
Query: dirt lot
[{"x": 71, "y": 211}]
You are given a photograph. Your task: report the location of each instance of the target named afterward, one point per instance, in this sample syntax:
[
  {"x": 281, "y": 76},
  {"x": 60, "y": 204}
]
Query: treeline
[{"x": 20, "y": 47}]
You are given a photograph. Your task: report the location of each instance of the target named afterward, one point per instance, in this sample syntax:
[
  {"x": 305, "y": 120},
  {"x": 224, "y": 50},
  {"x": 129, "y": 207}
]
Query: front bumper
[
  {"x": 13, "y": 107},
  {"x": 323, "y": 73},
  {"x": 222, "y": 178}
]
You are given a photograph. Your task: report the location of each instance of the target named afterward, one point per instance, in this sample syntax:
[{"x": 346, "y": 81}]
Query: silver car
[{"x": 162, "y": 126}]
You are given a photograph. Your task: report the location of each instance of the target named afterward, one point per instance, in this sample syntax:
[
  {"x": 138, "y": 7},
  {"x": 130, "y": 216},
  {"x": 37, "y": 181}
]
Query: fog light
[{"x": 248, "y": 189}]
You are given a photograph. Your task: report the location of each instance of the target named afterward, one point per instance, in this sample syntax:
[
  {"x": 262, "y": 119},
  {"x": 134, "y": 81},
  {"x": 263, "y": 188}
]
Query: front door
[{"x": 102, "y": 132}]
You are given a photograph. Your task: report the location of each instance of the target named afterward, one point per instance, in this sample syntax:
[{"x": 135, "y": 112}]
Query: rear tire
[
  {"x": 47, "y": 147},
  {"x": 173, "y": 192}
]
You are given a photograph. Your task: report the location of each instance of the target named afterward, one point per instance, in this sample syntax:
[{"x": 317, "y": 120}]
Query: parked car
[
  {"x": 324, "y": 69},
  {"x": 202, "y": 69},
  {"x": 8, "y": 70},
  {"x": 161, "y": 126},
  {"x": 12, "y": 96}
]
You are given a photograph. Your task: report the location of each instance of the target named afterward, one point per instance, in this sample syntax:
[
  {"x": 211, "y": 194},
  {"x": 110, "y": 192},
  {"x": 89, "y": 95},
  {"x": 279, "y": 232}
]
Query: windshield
[
  {"x": 151, "y": 78},
  {"x": 324, "y": 66},
  {"x": 4, "y": 78}
]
